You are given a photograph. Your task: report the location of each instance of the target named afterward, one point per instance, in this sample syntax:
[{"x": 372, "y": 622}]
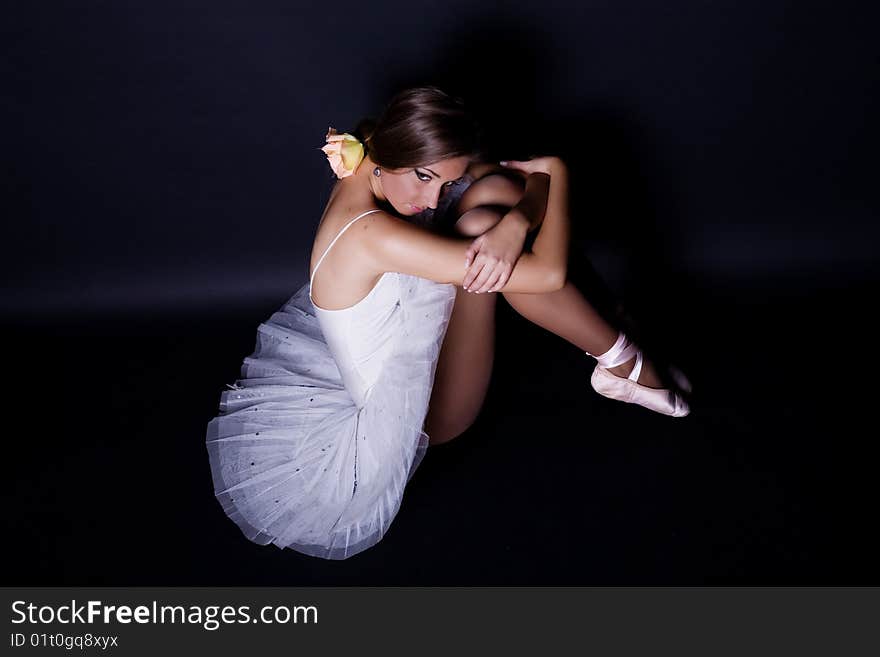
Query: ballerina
[{"x": 389, "y": 347}]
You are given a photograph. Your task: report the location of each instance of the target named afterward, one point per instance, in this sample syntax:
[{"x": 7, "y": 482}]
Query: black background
[{"x": 161, "y": 186}]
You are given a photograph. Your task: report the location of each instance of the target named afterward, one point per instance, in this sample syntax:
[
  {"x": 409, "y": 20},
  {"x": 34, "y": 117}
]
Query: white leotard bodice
[{"x": 360, "y": 337}]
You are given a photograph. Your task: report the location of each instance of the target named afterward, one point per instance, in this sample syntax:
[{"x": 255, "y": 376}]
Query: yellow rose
[{"x": 344, "y": 152}]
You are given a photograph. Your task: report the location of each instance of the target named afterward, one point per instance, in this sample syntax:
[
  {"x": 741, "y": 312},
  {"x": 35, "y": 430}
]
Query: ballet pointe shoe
[{"x": 628, "y": 390}]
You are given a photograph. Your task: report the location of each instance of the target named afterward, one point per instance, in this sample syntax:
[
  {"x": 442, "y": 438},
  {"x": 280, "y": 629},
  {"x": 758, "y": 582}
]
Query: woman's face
[{"x": 412, "y": 190}]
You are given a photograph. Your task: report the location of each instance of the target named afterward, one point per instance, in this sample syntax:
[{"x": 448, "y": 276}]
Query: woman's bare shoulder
[
  {"x": 343, "y": 206},
  {"x": 342, "y": 210}
]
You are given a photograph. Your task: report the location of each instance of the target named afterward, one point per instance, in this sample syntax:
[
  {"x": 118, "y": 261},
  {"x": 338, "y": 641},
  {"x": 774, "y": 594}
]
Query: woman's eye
[{"x": 426, "y": 178}]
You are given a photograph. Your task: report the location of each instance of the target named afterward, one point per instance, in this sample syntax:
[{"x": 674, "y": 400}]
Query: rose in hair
[{"x": 344, "y": 152}]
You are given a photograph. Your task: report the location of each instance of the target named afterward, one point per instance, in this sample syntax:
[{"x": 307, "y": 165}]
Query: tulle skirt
[{"x": 294, "y": 461}]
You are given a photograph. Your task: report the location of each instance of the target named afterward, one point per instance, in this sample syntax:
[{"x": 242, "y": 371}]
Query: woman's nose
[{"x": 433, "y": 199}]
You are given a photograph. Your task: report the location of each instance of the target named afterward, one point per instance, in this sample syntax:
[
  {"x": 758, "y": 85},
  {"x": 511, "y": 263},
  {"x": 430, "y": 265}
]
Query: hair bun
[{"x": 364, "y": 130}]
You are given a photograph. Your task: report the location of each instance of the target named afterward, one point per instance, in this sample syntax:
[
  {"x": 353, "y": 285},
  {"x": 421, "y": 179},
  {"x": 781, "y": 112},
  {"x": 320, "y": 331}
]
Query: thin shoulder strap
[{"x": 338, "y": 235}]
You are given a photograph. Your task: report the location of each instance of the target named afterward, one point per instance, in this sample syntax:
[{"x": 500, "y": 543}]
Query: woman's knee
[
  {"x": 453, "y": 410},
  {"x": 493, "y": 189},
  {"x": 477, "y": 221},
  {"x": 444, "y": 432}
]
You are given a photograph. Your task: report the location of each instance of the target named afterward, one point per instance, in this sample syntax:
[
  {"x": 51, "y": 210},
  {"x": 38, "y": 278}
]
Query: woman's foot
[
  {"x": 647, "y": 377},
  {"x": 623, "y": 374}
]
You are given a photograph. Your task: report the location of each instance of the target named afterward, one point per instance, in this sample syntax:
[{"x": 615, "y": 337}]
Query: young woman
[{"x": 391, "y": 343}]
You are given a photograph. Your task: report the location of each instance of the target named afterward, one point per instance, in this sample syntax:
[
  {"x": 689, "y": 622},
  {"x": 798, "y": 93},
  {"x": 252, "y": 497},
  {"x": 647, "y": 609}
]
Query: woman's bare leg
[
  {"x": 465, "y": 363},
  {"x": 464, "y": 367},
  {"x": 566, "y": 312},
  {"x": 570, "y": 316}
]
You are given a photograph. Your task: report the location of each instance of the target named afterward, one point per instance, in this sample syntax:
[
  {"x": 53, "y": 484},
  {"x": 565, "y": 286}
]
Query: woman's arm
[
  {"x": 532, "y": 206},
  {"x": 391, "y": 244},
  {"x": 551, "y": 243}
]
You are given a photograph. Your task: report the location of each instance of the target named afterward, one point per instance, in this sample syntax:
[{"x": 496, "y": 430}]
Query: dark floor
[{"x": 769, "y": 481}]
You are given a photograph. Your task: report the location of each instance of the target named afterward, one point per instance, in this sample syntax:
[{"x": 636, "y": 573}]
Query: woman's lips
[{"x": 416, "y": 207}]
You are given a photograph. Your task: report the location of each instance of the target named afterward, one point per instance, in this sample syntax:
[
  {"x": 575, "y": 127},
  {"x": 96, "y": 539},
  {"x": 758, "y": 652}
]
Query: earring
[{"x": 376, "y": 172}]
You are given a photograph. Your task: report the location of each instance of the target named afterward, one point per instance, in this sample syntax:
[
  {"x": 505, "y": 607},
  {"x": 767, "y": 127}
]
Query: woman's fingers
[
  {"x": 472, "y": 273},
  {"x": 471, "y": 253},
  {"x": 532, "y": 165},
  {"x": 515, "y": 164},
  {"x": 487, "y": 277},
  {"x": 502, "y": 279},
  {"x": 479, "y": 284},
  {"x": 492, "y": 281}
]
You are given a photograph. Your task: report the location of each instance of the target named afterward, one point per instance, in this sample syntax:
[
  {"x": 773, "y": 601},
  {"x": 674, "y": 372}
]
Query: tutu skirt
[{"x": 294, "y": 461}]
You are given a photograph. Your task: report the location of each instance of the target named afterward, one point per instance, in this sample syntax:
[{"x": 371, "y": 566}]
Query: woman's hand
[
  {"x": 547, "y": 164},
  {"x": 493, "y": 254}
]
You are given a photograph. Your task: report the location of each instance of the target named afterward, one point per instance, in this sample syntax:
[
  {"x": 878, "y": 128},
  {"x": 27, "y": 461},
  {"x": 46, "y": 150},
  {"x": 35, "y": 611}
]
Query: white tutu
[{"x": 295, "y": 462}]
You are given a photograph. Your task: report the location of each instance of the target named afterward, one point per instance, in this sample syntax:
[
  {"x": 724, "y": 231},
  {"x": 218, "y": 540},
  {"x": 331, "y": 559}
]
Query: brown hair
[{"x": 419, "y": 126}]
